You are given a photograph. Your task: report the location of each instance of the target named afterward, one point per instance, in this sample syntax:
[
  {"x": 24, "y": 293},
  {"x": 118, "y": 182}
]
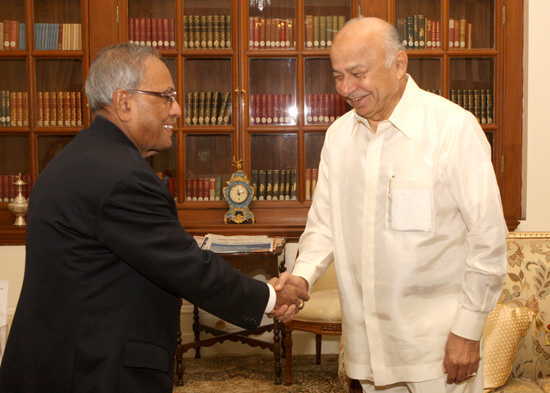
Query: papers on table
[{"x": 235, "y": 244}]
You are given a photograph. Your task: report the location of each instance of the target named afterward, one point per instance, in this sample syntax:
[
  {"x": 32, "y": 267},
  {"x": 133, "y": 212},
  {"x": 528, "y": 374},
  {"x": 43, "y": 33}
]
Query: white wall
[{"x": 536, "y": 181}]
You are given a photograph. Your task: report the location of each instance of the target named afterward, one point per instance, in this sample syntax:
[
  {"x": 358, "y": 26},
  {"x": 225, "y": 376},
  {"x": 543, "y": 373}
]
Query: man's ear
[
  {"x": 401, "y": 62},
  {"x": 122, "y": 104}
]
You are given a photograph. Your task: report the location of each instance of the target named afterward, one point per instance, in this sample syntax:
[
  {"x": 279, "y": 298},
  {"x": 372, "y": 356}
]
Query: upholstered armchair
[{"x": 320, "y": 315}]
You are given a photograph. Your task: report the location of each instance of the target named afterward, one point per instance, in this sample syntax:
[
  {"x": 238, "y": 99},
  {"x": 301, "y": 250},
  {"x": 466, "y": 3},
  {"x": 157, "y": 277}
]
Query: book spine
[
  {"x": 203, "y": 30},
  {"x": 207, "y": 107},
  {"x": 188, "y": 106},
  {"x": 46, "y": 106},
  {"x": 185, "y": 32},
  {"x": 275, "y": 186},
  {"x": 209, "y": 31},
  {"x": 421, "y": 31},
  {"x": 262, "y": 184},
  {"x": 228, "y": 31},
  {"x": 269, "y": 185},
  {"x": 308, "y": 184},
  {"x": 6, "y": 35},
  {"x": 416, "y": 31},
  {"x": 294, "y": 184},
  {"x": 282, "y": 185},
  {"x": 329, "y": 31},
  {"x": 451, "y": 33},
  {"x": 60, "y": 109},
  {"x": 316, "y": 32},
  {"x": 216, "y": 31}
]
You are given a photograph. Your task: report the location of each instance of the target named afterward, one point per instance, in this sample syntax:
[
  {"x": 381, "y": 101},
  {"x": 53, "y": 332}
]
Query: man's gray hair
[
  {"x": 390, "y": 39},
  {"x": 119, "y": 66}
]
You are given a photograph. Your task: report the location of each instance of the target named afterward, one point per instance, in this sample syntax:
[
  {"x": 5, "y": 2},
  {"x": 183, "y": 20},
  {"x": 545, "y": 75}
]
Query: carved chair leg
[
  {"x": 318, "y": 341},
  {"x": 355, "y": 386},
  {"x": 288, "y": 352}
]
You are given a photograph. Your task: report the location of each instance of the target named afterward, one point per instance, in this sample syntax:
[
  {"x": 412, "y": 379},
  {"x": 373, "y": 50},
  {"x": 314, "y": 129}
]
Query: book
[
  {"x": 269, "y": 185},
  {"x": 451, "y": 33},
  {"x": 316, "y": 31},
  {"x": 275, "y": 186},
  {"x": 262, "y": 184}
]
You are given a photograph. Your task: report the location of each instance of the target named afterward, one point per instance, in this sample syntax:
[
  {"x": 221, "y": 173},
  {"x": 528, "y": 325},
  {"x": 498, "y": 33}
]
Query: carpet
[{"x": 255, "y": 374}]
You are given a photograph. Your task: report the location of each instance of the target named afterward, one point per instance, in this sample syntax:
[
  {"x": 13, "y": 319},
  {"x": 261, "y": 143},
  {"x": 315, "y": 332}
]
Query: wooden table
[{"x": 247, "y": 263}]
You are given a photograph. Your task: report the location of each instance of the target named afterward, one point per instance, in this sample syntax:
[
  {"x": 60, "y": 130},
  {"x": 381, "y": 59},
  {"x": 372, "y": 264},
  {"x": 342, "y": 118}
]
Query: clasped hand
[{"x": 291, "y": 294}]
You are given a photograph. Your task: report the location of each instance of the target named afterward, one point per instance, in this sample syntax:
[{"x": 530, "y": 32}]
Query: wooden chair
[{"x": 320, "y": 315}]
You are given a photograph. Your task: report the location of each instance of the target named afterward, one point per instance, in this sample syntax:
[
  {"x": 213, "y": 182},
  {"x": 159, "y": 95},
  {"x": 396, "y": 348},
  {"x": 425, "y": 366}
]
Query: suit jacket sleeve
[{"x": 138, "y": 222}]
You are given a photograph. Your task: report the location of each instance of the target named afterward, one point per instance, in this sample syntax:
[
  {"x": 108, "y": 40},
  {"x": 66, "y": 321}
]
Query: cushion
[
  {"x": 502, "y": 336},
  {"x": 516, "y": 385},
  {"x": 322, "y": 306}
]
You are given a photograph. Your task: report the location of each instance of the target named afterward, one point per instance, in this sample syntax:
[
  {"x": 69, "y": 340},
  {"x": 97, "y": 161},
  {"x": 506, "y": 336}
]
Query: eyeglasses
[{"x": 171, "y": 97}]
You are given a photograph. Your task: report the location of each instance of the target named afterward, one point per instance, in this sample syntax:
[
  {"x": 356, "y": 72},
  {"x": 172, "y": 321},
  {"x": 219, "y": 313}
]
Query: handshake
[{"x": 292, "y": 292}]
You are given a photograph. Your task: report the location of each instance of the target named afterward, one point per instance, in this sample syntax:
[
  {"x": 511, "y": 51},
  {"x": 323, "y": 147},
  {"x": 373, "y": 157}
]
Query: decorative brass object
[{"x": 18, "y": 207}]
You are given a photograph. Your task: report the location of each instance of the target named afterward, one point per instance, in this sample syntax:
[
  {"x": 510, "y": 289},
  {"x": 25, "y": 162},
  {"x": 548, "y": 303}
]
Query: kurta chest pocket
[{"x": 410, "y": 205}]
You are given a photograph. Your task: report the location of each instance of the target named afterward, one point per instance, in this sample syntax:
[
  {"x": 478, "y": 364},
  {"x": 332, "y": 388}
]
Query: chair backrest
[{"x": 327, "y": 280}]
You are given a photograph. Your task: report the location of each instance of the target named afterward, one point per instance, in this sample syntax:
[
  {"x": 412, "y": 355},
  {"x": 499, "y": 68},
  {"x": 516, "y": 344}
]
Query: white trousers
[{"x": 472, "y": 385}]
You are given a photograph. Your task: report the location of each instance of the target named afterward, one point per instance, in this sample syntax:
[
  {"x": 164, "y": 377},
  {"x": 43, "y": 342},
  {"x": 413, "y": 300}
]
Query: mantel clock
[{"x": 238, "y": 194}]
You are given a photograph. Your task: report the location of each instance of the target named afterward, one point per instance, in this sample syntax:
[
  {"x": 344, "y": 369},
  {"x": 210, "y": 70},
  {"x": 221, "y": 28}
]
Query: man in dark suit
[{"x": 107, "y": 258}]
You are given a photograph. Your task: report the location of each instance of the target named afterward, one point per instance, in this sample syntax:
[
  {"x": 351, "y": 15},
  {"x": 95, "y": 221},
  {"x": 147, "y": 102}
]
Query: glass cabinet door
[
  {"x": 207, "y": 166},
  {"x": 471, "y": 24},
  {"x": 472, "y": 83},
  {"x": 207, "y": 24},
  {"x": 152, "y": 23},
  {"x": 58, "y": 90},
  {"x": 208, "y": 87},
  {"x": 14, "y": 159},
  {"x": 426, "y": 73},
  {"x": 271, "y": 24},
  {"x": 12, "y": 23},
  {"x": 322, "y": 104},
  {"x": 14, "y": 100},
  {"x": 274, "y": 175},
  {"x": 49, "y": 146},
  {"x": 322, "y": 20},
  {"x": 57, "y": 25},
  {"x": 419, "y": 23},
  {"x": 272, "y": 92}
]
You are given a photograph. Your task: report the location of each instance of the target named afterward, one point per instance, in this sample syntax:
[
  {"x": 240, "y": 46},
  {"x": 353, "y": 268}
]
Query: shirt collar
[{"x": 405, "y": 113}]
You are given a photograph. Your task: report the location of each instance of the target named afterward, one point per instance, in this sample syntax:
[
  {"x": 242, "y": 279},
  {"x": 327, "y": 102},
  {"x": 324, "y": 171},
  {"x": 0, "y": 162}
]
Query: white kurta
[{"x": 412, "y": 217}]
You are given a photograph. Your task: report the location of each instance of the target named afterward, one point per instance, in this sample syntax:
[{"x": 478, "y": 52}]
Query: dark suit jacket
[{"x": 106, "y": 261}]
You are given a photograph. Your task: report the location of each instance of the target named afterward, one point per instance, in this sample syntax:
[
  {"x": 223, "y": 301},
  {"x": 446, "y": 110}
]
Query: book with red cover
[
  {"x": 262, "y": 34},
  {"x": 269, "y": 108},
  {"x": 282, "y": 34},
  {"x": 6, "y": 43},
  {"x": 172, "y": 32}
]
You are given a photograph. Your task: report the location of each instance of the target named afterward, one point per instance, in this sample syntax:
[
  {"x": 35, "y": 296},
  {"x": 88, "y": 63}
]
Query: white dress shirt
[{"x": 412, "y": 217}]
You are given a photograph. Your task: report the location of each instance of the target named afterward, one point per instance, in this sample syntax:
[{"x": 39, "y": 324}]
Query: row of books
[
  {"x": 203, "y": 108},
  {"x": 272, "y": 109},
  {"x": 479, "y": 102},
  {"x": 418, "y": 32},
  {"x": 155, "y": 32},
  {"x": 61, "y": 108},
  {"x": 320, "y": 30},
  {"x": 271, "y": 33},
  {"x": 274, "y": 184},
  {"x": 8, "y": 190},
  {"x": 324, "y": 108},
  {"x": 311, "y": 182},
  {"x": 12, "y": 35},
  {"x": 206, "y": 31},
  {"x": 14, "y": 110},
  {"x": 460, "y": 34},
  {"x": 204, "y": 189},
  {"x": 58, "y": 36}
]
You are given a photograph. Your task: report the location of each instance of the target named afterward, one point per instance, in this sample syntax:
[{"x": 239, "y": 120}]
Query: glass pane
[
  {"x": 271, "y": 24},
  {"x": 322, "y": 20},
  {"x": 274, "y": 175},
  {"x": 207, "y": 166},
  {"x": 14, "y": 159},
  {"x": 59, "y": 97},
  {"x": 471, "y": 24},
  {"x": 491, "y": 139},
  {"x": 472, "y": 83},
  {"x": 322, "y": 104},
  {"x": 49, "y": 146},
  {"x": 152, "y": 23},
  {"x": 12, "y": 21},
  {"x": 208, "y": 92},
  {"x": 14, "y": 102},
  {"x": 165, "y": 165},
  {"x": 314, "y": 144},
  {"x": 273, "y": 91},
  {"x": 207, "y": 24},
  {"x": 419, "y": 23},
  {"x": 426, "y": 73},
  {"x": 57, "y": 25}
]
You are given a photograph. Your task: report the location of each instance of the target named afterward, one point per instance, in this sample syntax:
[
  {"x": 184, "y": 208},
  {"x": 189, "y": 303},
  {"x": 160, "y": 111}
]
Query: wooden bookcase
[{"x": 294, "y": 79}]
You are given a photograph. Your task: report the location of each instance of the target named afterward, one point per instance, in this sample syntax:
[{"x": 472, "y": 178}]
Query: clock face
[{"x": 238, "y": 193}]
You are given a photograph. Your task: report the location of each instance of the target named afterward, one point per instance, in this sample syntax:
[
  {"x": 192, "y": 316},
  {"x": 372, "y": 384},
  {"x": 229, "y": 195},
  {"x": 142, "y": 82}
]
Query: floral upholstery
[{"x": 527, "y": 285}]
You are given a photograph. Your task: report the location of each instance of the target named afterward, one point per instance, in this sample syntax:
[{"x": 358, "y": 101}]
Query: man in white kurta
[{"x": 408, "y": 207}]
